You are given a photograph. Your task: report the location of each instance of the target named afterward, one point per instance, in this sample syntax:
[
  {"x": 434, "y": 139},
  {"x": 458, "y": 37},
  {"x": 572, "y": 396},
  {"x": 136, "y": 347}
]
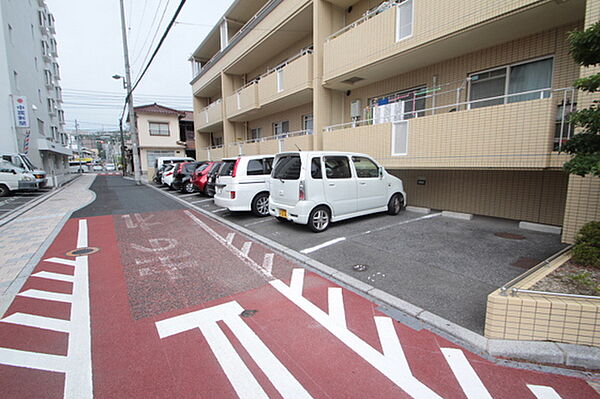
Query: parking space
[
  {"x": 18, "y": 200},
  {"x": 447, "y": 266}
]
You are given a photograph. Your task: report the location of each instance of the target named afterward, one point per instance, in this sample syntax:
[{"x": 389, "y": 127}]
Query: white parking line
[
  {"x": 200, "y": 201},
  {"x": 257, "y": 222},
  {"x": 399, "y": 224},
  {"x": 320, "y": 246},
  {"x": 188, "y": 195},
  {"x": 219, "y": 210}
]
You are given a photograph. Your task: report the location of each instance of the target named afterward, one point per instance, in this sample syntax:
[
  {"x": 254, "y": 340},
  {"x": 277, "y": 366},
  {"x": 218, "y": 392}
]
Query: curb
[{"x": 546, "y": 353}]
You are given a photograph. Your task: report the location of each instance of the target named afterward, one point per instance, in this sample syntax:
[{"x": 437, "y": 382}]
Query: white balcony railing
[{"x": 367, "y": 16}]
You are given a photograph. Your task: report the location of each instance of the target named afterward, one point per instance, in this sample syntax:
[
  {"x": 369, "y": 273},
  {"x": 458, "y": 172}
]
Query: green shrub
[{"x": 587, "y": 245}]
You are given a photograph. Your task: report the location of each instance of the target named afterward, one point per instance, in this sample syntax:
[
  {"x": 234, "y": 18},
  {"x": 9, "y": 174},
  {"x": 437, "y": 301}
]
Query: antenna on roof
[{"x": 299, "y": 149}]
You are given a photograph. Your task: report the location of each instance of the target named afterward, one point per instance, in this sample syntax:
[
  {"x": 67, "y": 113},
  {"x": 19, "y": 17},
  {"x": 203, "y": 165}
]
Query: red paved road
[{"x": 166, "y": 291}]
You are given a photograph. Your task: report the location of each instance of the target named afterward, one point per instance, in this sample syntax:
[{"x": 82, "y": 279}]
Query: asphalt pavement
[
  {"x": 446, "y": 266},
  {"x": 18, "y": 200}
]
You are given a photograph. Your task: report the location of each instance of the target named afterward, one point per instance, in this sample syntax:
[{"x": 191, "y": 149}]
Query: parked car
[
  {"x": 110, "y": 167},
  {"x": 201, "y": 175},
  {"x": 23, "y": 162},
  {"x": 14, "y": 178},
  {"x": 212, "y": 179},
  {"x": 242, "y": 184},
  {"x": 97, "y": 168},
  {"x": 160, "y": 161},
  {"x": 183, "y": 175},
  {"x": 167, "y": 176},
  {"x": 317, "y": 188}
]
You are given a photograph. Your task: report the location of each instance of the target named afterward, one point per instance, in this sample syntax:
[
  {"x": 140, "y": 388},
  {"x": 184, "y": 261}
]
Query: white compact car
[
  {"x": 168, "y": 174},
  {"x": 317, "y": 188},
  {"x": 14, "y": 178},
  {"x": 242, "y": 184}
]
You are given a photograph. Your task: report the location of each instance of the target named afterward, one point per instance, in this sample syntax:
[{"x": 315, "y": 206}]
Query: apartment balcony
[
  {"x": 243, "y": 103},
  {"x": 517, "y": 135},
  {"x": 215, "y": 153},
  {"x": 287, "y": 86},
  {"x": 273, "y": 144},
  {"x": 210, "y": 117},
  {"x": 401, "y": 37}
]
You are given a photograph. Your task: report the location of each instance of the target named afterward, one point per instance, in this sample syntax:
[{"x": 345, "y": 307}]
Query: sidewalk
[{"x": 24, "y": 239}]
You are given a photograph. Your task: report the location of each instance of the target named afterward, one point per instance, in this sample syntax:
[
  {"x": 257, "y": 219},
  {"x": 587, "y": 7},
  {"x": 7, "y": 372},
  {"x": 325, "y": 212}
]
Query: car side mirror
[
  {"x": 14, "y": 172},
  {"x": 381, "y": 172}
]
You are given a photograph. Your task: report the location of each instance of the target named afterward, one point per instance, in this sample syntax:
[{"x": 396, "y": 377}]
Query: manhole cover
[
  {"x": 510, "y": 236},
  {"x": 83, "y": 251},
  {"x": 248, "y": 313},
  {"x": 360, "y": 267},
  {"x": 526, "y": 263}
]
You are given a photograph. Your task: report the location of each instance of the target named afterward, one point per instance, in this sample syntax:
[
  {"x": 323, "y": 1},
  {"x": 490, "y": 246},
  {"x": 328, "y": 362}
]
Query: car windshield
[
  {"x": 8, "y": 167},
  {"x": 201, "y": 167},
  {"x": 287, "y": 168}
]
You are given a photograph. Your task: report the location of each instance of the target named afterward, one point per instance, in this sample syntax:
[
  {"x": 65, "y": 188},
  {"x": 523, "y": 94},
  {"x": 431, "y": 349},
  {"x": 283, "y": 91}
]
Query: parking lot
[
  {"x": 447, "y": 266},
  {"x": 19, "y": 199}
]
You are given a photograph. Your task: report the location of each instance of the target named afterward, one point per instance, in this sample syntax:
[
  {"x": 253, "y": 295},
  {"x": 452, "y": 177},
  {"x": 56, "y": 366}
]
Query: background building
[
  {"x": 29, "y": 73},
  {"x": 162, "y": 133},
  {"x": 466, "y": 101}
]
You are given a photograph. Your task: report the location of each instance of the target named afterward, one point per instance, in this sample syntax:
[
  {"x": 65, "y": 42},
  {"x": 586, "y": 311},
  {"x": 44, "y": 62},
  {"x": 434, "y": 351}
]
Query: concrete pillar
[
  {"x": 227, "y": 88},
  {"x": 327, "y": 19}
]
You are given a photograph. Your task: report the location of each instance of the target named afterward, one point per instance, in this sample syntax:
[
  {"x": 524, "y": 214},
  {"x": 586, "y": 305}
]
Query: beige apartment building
[
  {"x": 465, "y": 101},
  {"x": 162, "y": 133}
]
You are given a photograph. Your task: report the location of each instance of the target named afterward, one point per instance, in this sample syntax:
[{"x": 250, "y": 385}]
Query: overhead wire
[{"x": 153, "y": 36}]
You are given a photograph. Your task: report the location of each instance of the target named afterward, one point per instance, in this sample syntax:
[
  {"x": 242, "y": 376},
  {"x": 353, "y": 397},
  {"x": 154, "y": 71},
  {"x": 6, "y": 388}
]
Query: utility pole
[
  {"x": 78, "y": 145},
  {"x": 123, "y": 164},
  {"x": 137, "y": 175}
]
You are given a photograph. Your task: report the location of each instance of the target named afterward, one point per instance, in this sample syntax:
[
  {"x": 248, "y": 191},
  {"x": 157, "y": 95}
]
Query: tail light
[
  {"x": 235, "y": 166},
  {"x": 169, "y": 173},
  {"x": 232, "y": 194},
  {"x": 301, "y": 192}
]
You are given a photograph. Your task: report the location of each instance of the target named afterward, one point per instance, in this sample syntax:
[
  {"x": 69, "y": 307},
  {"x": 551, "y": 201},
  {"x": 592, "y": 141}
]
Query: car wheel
[
  {"x": 260, "y": 204},
  {"x": 395, "y": 205},
  {"x": 189, "y": 187},
  {"x": 319, "y": 219},
  {"x": 4, "y": 191}
]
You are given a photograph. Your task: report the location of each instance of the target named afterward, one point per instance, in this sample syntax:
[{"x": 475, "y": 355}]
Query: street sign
[{"x": 21, "y": 113}]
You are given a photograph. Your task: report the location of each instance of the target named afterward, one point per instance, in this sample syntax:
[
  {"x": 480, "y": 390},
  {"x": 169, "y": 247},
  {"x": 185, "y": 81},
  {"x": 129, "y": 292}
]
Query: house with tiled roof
[{"x": 163, "y": 132}]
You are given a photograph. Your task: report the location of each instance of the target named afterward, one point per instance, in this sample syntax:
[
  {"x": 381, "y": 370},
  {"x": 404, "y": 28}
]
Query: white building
[{"x": 29, "y": 76}]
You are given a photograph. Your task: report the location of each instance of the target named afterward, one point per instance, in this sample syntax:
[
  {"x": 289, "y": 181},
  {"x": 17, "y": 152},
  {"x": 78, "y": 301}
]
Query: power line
[{"x": 141, "y": 50}]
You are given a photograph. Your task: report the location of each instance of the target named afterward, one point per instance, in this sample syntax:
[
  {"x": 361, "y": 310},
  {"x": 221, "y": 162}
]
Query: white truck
[
  {"x": 23, "y": 162},
  {"x": 14, "y": 178}
]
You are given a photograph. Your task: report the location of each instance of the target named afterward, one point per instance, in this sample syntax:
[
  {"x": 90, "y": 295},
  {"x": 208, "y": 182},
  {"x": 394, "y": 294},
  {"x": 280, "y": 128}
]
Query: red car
[{"x": 200, "y": 176}]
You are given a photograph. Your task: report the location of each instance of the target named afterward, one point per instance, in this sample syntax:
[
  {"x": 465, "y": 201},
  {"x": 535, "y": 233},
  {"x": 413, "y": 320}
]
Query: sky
[{"x": 90, "y": 52}]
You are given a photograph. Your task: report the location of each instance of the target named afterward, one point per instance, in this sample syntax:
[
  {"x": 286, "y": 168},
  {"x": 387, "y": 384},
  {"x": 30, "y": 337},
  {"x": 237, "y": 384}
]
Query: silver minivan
[{"x": 320, "y": 187}]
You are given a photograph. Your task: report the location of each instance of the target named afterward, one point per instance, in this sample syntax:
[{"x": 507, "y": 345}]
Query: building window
[
  {"x": 54, "y": 131},
  {"x": 281, "y": 127},
  {"x": 400, "y": 138},
  {"x": 404, "y": 20},
  {"x": 307, "y": 123},
  {"x": 255, "y": 133},
  {"x": 41, "y": 129},
  {"x": 159, "y": 129},
  {"x": 503, "y": 85},
  {"x": 42, "y": 18},
  {"x": 218, "y": 141},
  {"x": 48, "y": 77}
]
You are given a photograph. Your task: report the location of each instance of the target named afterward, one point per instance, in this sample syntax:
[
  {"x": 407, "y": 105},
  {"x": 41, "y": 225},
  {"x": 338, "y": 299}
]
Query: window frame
[
  {"x": 325, "y": 157},
  {"x": 150, "y": 123},
  {"x": 399, "y": 8},
  {"x": 376, "y": 176},
  {"x": 393, "y": 139},
  {"x": 508, "y": 68}
]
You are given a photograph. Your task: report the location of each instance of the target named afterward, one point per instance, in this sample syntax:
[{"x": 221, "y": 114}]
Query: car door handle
[
  {"x": 331, "y": 184},
  {"x": 362, "y": 183}
]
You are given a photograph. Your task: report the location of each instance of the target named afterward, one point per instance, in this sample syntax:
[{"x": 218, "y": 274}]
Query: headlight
[{"x": 27, "y": 178}]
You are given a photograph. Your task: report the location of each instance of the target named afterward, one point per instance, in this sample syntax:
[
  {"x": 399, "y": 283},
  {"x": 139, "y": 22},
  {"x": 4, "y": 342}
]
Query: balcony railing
[
  {"x": 513, "y": 134},
  {"x": 290, "y": 141},
  {"x": 368, "y": 15},
  {"x": 211, "y": 114}
]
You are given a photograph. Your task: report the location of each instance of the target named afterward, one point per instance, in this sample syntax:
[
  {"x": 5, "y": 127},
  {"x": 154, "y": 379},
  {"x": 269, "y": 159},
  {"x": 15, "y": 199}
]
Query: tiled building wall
[
  {"x": 582, "y": 206},
  {"x": 451, "y": 73},
  {"x": 534, "y": 196},
  {"x": 272, "y": 62}
]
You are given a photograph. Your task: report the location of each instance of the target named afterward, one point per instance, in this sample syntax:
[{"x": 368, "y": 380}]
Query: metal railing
[
  {"x": 279, "y": 137},
  {"x": 368, "y": 15},
  {"x": 459, "y": 105},
  {"x": 504, "y": 290},
  {"x": 214, "y": 103}
]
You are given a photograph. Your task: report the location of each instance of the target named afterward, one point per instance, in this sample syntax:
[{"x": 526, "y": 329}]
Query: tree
[{"x": 584, "y": 47}]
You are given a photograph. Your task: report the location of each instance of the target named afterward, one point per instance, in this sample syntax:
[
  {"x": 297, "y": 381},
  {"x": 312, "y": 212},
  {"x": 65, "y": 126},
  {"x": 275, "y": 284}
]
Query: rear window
[
  {"x": 287, "y": 168},
  {"x": 227, "y": 168},
  {"x": 315, "y": 168},
  {"x": 255, "y": 167},
  {"x": 201, "y": 167},
  {"x": 189, "y": 168}
]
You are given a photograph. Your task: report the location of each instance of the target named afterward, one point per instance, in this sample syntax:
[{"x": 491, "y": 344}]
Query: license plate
[{"x": 283, "y": 213}]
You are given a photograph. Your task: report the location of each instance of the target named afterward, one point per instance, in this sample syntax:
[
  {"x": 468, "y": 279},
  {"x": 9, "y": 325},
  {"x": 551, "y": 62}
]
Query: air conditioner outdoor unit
[{"x": 355, "y": 109}]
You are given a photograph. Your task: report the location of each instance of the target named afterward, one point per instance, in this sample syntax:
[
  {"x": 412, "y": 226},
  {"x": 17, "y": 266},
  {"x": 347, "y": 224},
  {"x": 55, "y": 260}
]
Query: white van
[
  {"x": 319, "y": 187},
  {"x": 23, "y": 162},
  {"x": 14, "y": 178},
  {"x": 242, "y": 184}
]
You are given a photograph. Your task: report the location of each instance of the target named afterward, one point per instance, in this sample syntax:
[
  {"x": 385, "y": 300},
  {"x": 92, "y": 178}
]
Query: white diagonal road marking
[{"x": 467, "y": 377}]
